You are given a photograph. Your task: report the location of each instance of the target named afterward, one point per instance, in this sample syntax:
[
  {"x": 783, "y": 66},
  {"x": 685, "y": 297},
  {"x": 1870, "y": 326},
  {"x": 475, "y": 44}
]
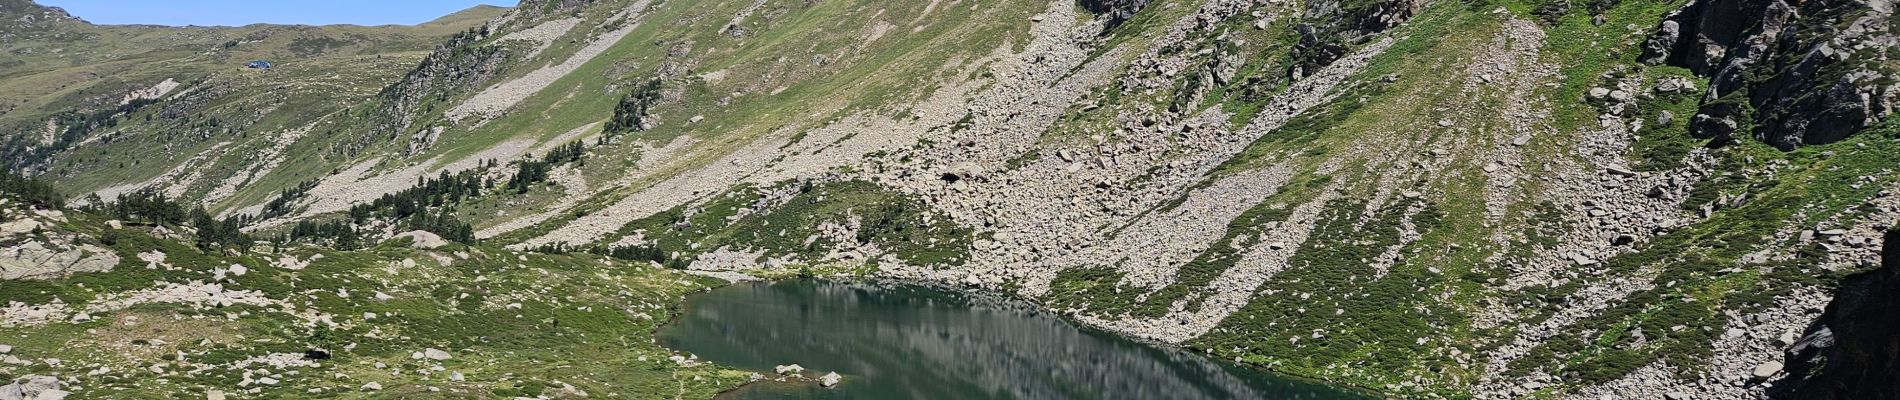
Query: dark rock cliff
[
  {"x": 1114, "y": 12},
  {"x": 1853, "y": 350},
  {"x": 461, "y": 65},
  {"x": 1788, "y": 74}
]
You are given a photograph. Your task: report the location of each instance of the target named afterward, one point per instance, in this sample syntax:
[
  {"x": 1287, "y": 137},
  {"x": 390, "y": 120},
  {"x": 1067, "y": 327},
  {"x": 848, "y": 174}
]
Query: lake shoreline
[{"x": 978, "y": 297}]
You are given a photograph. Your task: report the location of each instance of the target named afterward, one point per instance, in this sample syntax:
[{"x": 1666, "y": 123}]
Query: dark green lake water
[{"x": 912, "y": 342}]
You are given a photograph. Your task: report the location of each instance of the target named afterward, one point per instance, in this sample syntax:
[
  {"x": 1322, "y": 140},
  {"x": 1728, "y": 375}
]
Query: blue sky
[{"x": 244, "y": 12}]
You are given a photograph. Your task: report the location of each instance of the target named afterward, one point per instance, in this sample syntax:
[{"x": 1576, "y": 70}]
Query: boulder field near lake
[{"x": 1432, "y": 199}]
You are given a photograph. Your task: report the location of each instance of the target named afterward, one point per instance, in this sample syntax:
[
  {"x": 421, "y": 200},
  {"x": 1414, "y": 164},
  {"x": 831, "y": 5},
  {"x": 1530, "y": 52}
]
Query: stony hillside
[{"x": 1433, "y": 199}]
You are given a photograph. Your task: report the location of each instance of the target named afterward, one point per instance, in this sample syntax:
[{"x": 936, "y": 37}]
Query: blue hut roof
[{"x": 258, "y": 64}]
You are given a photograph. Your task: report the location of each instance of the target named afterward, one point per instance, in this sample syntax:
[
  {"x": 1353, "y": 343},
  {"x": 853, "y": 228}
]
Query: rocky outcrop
[
  {"x": 1114, "y": 12},
  {"x": 31, "y": 247},
  {"x": 35, "y": 260},
  {"x": 34, "y": 387},
  {"x": 460, "y": 65},
  {"x": 1853, "y": 350},
  {"x": 26, "y": 19},
  {"x": 1336, "y": 26},
  {"x": 538, "y": 9},
  {"x": 1789, "y": 74}
]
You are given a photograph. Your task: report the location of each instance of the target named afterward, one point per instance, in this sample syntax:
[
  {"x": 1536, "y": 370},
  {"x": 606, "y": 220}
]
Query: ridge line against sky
[{"x": 246, "y": 12}]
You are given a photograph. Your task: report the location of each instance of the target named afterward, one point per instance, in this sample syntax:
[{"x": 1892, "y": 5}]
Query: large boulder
[
  {"x": 34, "y": 387},
  {"x": 422, "y": 239}
]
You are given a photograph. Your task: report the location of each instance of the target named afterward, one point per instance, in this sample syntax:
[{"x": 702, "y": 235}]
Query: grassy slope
[
  {"x": 320, "y": 70},
  {"x": 582, "y": 321},
  {"x": 777, "y": 95}
]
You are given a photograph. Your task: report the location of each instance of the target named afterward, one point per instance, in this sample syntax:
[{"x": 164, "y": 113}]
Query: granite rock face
[{"x": 1803, "y": 72}]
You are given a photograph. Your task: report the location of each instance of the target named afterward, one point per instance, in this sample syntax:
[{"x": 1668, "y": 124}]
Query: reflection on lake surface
[{"x": 911, "y": 342}]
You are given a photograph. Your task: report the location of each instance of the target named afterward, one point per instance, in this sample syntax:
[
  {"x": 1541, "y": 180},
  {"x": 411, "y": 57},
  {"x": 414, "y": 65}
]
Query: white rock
[
  {"x": 214, "y": 394},
  {"x": 372, "y": 386},
  {"x": 434, "y": 354},
  {"x": 19, "y": 226},
  {"x": 1767, "y": 369},
  {"x": 788, "y": 369},
  {"x": 830, "y": 379}
]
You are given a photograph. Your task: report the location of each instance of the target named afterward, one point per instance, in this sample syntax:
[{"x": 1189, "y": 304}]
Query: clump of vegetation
[
  {"x": 1090, "y": 289},
  {"x": 530, "y": 172},
  {"x": 31, "y": 191},
  {"x": 634, "y": 112},
  {"x": 149, "y": 207}
]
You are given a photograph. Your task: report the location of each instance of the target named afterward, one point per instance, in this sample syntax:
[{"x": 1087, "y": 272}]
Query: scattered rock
[
  {"x": 422, "y": 239},
  {"x": 1767, "y": 369},
  {"x": 830, "y": 379}
]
